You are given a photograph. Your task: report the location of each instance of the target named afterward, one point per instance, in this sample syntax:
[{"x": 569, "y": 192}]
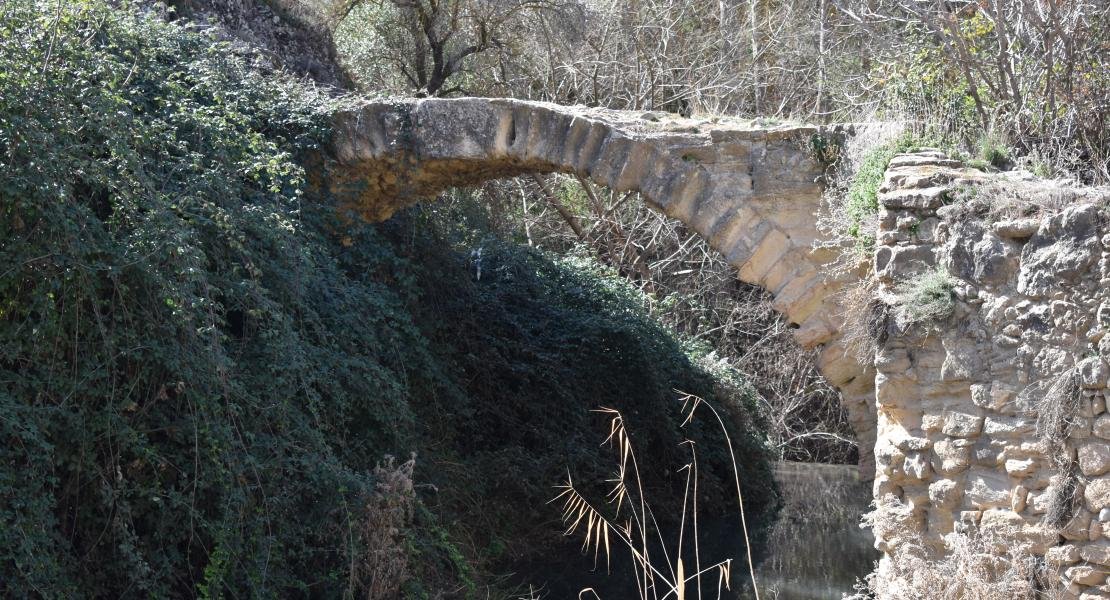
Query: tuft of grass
[
  {"x": 980, "y": 164},
  {"x": 993, "y": 151},
  {"x": 925, "y": 298},
  {"x": 867, "y": 319}
]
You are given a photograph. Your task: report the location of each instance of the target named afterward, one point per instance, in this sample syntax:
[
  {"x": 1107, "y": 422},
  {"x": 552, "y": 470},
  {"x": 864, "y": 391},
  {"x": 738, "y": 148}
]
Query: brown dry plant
[
  {"x": 659, "y": 572},
  {"x": 379, "y": 572}
]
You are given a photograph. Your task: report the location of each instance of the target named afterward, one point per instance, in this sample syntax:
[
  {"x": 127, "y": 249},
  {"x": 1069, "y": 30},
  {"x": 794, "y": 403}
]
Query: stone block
[
  {"x": 1096, "y": 553},
  {"x": 987, "y": 489},
  {"x": 961, "y": 360},
  {"x": 1097, "y": 494},
  {"x": 1018, "y": 498},
  {"x": 1061, "y": 556},
  {"x": 1101, "y": 427},
  {"x": 1086, "y": 574},
  {"x": 1002, "y": 521},
  {"x": 913, "y": 444},
  {"x": 933, "y": 423},
  {"x": 1009, "y": 426},
  {"x": 1020, "y": 467},
  {"x": 950, "y": 458},
  {"x": 1093, "y": 372},
  {"x": 1079, "y": 527},
  {"x": 963, "y": 425},
  {"x": 1094, "y": 458},
  {"x": 945, "y": 493},
  {"x": 916, "y": 466}
]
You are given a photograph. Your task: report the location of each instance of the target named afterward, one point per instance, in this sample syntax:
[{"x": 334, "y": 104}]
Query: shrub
[
  {"x": 986, "y": 565},
  {"x": 200, "y": 362},
  {"x": 866, "y": 320},
  {"x": 925, "y": 298},
  {"x": 994, "y": 151},
  {"x": 851, "y": 205},
  {"x": 191, "y": 380}
]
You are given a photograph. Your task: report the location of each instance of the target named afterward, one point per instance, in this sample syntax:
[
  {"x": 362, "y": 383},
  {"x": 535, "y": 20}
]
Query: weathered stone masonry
[
  {"x": 958, "y": 402},
  {"x": 951, "y": 408},
  {"x": 753, "y": 192}
]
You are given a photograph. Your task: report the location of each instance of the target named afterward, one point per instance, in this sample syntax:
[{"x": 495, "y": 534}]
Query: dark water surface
[{"x": 816, "y": 550}]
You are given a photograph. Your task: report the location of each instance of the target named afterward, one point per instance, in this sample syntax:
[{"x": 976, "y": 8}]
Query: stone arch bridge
[{"x": 751, "y": 190}]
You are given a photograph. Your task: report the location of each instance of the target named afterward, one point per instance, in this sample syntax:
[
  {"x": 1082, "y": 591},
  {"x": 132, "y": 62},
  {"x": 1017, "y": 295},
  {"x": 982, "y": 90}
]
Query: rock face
[
  {"x": 276, "y": 34},
  {"x": 1009, "y": 392},
  {"x": 753, "y": 192}
]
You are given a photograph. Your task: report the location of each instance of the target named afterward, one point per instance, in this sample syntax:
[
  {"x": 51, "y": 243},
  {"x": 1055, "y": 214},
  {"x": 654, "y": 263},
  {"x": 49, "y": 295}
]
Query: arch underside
[{"x": 751, "y": 191}]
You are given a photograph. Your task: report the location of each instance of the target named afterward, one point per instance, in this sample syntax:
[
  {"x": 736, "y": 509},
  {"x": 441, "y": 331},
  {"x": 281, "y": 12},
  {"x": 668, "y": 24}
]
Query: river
[{"x": 816, "y": 550}]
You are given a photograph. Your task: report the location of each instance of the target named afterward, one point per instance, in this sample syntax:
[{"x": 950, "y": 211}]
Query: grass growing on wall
[{"x": 860, "y": 203}]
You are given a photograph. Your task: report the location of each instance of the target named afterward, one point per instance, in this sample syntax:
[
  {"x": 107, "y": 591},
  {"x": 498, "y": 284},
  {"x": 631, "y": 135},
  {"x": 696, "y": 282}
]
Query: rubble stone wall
[{"x": 994, "y": 419}]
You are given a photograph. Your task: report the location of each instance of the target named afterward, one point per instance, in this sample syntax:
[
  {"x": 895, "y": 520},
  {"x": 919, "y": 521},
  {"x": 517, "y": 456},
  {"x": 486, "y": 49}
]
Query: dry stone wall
[{"x": 993, "y": 419}]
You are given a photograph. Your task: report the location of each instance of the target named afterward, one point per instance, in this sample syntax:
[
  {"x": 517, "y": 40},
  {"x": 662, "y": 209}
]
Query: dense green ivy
[
  {"x": 190, "y": 379},
  {"x": 200, "y": 364}
]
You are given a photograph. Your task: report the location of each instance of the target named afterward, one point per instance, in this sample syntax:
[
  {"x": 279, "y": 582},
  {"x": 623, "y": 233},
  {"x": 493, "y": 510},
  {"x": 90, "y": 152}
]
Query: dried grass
[
  {"x": 383, "y": 569},
  {"x": 1057, "y": 414},
  {"x": 657, "y": 577},
  {"x": 925, "y": 298},
  {"x": 867, "y": 319},
  {"x": 980, "y": 565}
]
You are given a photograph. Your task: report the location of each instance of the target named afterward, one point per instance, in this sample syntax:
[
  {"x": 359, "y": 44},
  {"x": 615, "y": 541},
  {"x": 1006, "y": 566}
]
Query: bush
[
  {"x": 985, "y": 564},
  {"x": 851, "y": 205},
  {"x": 200, "y": 363},
  {"x": 192, "y": 381},
  {"x": 925, "y": 298}
]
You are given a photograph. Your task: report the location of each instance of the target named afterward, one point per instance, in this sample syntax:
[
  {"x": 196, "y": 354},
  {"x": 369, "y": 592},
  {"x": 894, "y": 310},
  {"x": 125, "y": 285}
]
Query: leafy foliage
[
  {"x": 200, "y": 363},
  {"x": 861, "y": 202},
  {"x": 190, "y": 378},
  {"x": 537, "y": 344}
]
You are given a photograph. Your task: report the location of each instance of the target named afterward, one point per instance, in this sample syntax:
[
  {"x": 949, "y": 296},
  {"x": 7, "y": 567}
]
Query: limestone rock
[
  {"x": 916, "y": 466},
  {"x": 1059, "y": 556},
  {"x": 1064, "y": 248},
  {"x": 1009, "y": 426},
  {"x": 962, "y": 425},
  {"x": 1093, "y": 372},
  {"x": 975, "y": 253},
  {"x": 950, "y": 458},
  {"x": 987, "y": 489},
  {"x": 1016, "y": 228},
  {"x": 1020, "y": 467},
  {"x": 945, "y": 493},
  {"x": 1094, "y": 458},
  {"x": 1097, "y": 494},
  {"x": 1001, "y": 520},
  {"x": 1086, "y": 574},
  {"x": 1096, "y": 553}
]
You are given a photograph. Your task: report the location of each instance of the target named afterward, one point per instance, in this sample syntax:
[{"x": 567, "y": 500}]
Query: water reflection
[{"x": 816, "y": 550}]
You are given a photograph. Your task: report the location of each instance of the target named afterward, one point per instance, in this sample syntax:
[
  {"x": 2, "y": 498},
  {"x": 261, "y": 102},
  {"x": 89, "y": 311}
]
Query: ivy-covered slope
[{"x": 201, "y": 363}]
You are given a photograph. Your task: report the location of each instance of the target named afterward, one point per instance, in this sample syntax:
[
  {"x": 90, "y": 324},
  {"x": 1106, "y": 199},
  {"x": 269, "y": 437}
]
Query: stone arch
[{"x": 751, "y": 190}]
